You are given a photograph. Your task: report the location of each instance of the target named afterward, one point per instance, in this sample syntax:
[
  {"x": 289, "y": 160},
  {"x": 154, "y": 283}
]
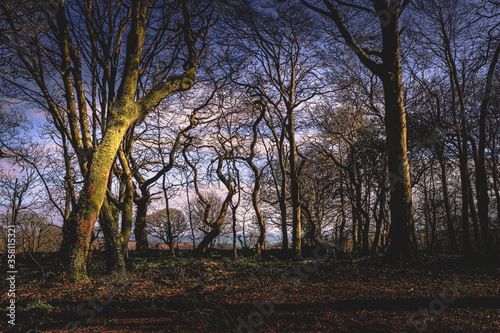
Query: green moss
[{"x": 37, "y": 306}]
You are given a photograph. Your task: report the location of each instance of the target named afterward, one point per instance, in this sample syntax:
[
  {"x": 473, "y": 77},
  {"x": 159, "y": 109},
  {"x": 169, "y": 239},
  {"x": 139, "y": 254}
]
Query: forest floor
[{"x": 218, "y": 294}]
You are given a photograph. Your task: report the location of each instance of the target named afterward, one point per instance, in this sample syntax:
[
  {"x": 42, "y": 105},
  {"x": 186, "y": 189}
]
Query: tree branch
[{"x": 334, "y": 14}]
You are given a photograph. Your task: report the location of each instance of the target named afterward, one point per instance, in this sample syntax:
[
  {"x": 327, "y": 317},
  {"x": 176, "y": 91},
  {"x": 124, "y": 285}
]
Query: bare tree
[
  {"x": 216, "y": 222},
  {"x": 76, "y": 48},
  {"x": 12, "y": 125},
  {"x": 446, "y": 27},
  {"x": 284, "y": 67},
  {"x": 385, "y": 63},
  {"x": 167, "y": 227}
]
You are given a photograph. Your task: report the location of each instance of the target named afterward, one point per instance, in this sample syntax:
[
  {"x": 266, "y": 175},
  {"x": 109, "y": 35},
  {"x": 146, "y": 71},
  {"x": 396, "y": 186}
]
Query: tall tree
[
  {"x": 385, "y": 63},
  {"x": 216, "y": 222},
  {"x": 481, "y": 174},
  {"x": 285, "y": 66},
  {"x": 451, "y": 30},
  {"x": 73, "y": 55}
]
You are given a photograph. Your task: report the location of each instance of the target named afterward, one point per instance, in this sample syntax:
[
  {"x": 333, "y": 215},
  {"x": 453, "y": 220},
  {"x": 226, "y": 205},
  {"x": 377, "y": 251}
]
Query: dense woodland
[
  {"x": 369, "y": 123},
  {"x": 367, "y": 127}
]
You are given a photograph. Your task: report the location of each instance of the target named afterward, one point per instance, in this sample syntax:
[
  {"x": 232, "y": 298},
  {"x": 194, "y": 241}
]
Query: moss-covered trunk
[
  {"x": 123, "y": 113},
  {"x": 112, "y": 240},
  {"x": 78, "y": 229},
  {"x": 127, "y": 220},
  {"x": 127, "y": 199}
]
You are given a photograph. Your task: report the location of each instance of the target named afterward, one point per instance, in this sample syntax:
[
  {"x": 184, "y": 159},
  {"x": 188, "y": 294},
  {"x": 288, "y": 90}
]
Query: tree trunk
[
  {"x": 212, "y": 235},
  {"x": 403, "y": 244},
  {"x": 496, "y": 185},
  {"x": 260, "y": 220},
  {"x": 381, "y": 200},
  {"x": 354, "y": 218},
  {"x": 467, "y": 246},
  {"x": 256, "y": 188},
  {"x": 342, "y": 210},
  {"x": 170, "y": 236},
  {"x": 78, "y": 229},
  {"x": 427, "y": 215},
  {"x": 284, "y": 226},
  {"x": 311, "y": 232},
  {"x": 206, "y": 242},
  {"x": 190, "y": 215},
  {"x": 216, "y": 225},
  {"x": 127, "y": 197},
  {"x": 366, "y": 226},
  {"x": 473, "y": 214},
  {"x": 294, "y": 189},
  {"x": 235, "y": 250},
  {"x": 449, "y": 222},
  {"x": 113, "y": 248},
  {"x": 141, "y": 237},
  {"x": 481, "y": 176},
  {"x": 402, "y": 236},
  {"x": 127, "y": 220},
  {"x": 433, "y": 225},
  {"x": 379, "y": 219},
  {"x": 433, "y": 203}
]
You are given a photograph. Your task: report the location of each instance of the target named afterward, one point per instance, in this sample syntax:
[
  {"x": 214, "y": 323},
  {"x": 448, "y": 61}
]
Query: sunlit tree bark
[
  {"x": 124, "y": 112},
  {"x": 71, "y": 39}
]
